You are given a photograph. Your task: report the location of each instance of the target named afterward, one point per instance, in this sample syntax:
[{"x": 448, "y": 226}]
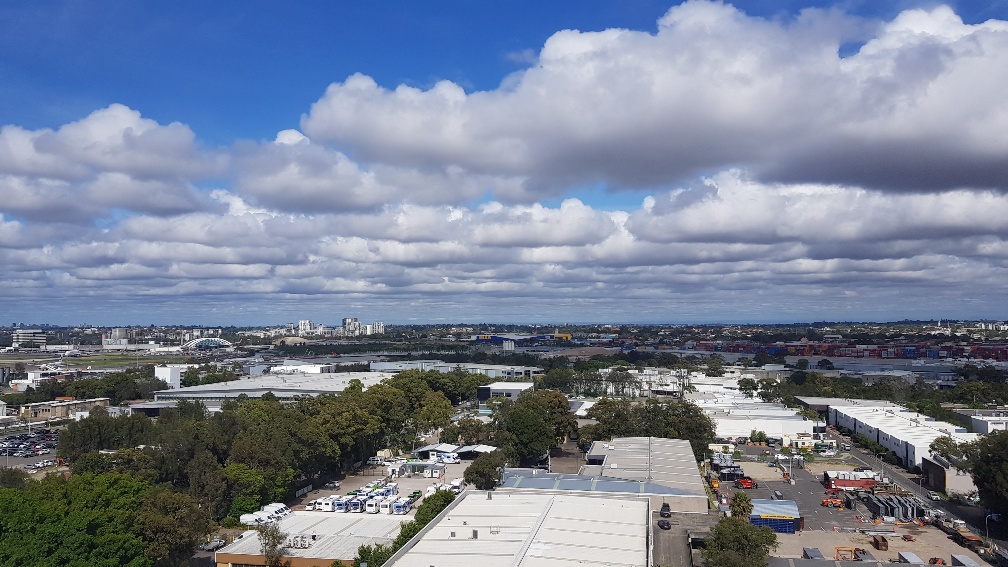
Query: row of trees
[
  {"x": 523, "y": 430},
  {"x": 257, "y": 450},
  {"x": 672, "y": 418},
  {"x": 208, "y": 374},
  {"x": 919, "y": 396},
  {"x": 527, "y": 428},
  {"x": 130, "y": 384}
]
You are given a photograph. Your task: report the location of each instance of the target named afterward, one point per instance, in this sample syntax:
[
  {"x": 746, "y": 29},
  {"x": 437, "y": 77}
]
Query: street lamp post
[{"x": 987, "y": 528}]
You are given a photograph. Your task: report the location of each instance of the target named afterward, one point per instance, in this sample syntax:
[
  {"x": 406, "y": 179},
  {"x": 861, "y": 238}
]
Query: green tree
[
  {"x": 484, "y": 472},
  {"x": 769, "y": 390},
  {"x": 988, "y": 457},
  {"x": 208, "y": 485},
  {"x": 734, "y": 542},
  {"x": 533, "y": 436},
  {"x": 715, "y": 365},
  {"x": 13, "y": 478},
  {"x": 432, "y": 506},
  {"x": 435, "y": 412},
  {"x": 949, "y": 449},
  {"x": 558, "y": 413},
  {"x": 272, "y": 542},
  {"x": 373, "y": 555},
  {"x": 810, "y": 414},
  {"x": 173, "y": 524},
  {"x": 741, "y": 506},
  {"x": 747, "y": 387},
  {"x": 824, "y": 364},
  {"x": 246, "y": 486}
]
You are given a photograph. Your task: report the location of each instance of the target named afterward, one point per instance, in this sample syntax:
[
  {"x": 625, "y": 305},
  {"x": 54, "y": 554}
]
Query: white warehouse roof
[
  {"x": 337, "y": 536},
  {"x": 284, "y": 386},
  {"x": 532, "y": 530}
]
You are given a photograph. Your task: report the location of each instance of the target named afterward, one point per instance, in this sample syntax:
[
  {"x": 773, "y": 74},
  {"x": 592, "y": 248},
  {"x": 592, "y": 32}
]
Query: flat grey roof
[
  {"x": 337, "y": 535},
  {"x": 666, "y": 462},
  {"x": 529, "y": 478},
  {"x": 283, "y": 386},
  {"x": 533, "y": 530},
  {"x": 821, "y": 403}
]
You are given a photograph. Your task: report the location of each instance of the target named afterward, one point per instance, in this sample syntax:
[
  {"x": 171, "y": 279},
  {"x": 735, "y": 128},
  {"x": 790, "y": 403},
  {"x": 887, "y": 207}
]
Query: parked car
[
  {"x": 666, "y": 510},
  {"x": 375, "y": 461},
  {"x": 332, "y": 484},
  {"x": 213, "y": 545},
  {"x": 934, "y": 495},
  {"x": 665, "y": 524}
]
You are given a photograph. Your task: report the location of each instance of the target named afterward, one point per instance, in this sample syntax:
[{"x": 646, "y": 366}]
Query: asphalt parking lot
[
  {"x": 372, "y": 473},
  {"x": 807, "y": 491}
]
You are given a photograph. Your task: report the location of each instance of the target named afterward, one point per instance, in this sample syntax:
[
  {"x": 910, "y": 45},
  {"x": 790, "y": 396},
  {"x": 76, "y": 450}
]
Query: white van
[
  {"x": 457, "y": 485},
  {"x": 277, "y": 509}
]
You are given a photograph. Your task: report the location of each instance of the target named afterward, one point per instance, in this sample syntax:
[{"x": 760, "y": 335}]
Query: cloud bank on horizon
[{"x": 777, "y": 178}]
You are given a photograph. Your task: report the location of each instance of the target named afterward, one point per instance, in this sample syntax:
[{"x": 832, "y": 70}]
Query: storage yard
[
  {"x": 840, "y": 532},
  {"x": 406, "y": 484},
  {"x": 928, "y": 542}
]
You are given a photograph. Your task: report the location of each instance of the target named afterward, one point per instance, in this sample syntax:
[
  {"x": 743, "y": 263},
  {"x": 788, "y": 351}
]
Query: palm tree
[{"x": 741, "y": 506}]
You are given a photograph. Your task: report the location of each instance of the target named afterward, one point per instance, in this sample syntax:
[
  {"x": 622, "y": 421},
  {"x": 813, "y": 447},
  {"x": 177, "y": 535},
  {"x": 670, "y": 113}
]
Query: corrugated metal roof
[
  {"x": 476, "y": 448},
  {"x": 532, "y": 530},
  {"x": 533, "y": 479},
  {"x": 786, "y": 508},
  {"x": 337, "y": 535},
  {"x": 668, "y": 462}
]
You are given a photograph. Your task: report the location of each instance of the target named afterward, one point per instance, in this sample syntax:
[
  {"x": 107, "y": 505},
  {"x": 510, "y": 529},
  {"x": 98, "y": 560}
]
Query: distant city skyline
[{"x": 639, "y": 162}]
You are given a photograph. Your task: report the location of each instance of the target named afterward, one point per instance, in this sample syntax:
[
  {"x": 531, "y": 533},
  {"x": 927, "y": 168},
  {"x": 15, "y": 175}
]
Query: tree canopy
[
  {"x": 734, "y": 542},
  {"x": 671, "y": 418},
  {"x": 105, "y": 520}
]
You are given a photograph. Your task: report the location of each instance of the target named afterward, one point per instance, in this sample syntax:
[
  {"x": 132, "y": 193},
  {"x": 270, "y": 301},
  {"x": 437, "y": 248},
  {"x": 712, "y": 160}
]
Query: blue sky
[
  {"x": 246, "y": 70},
  {"x": 474, "y": 161}
]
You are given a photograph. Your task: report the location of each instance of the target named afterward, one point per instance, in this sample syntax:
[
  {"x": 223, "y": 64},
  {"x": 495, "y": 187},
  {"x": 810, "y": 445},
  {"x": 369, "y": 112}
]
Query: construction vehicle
[
  {"x": 832, "y": 502},
  {"x": 746, "y": 482}
]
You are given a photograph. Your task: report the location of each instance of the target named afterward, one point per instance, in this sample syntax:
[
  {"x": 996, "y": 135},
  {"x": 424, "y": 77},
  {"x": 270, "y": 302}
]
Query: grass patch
[{"x": 119, "y": 360}]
